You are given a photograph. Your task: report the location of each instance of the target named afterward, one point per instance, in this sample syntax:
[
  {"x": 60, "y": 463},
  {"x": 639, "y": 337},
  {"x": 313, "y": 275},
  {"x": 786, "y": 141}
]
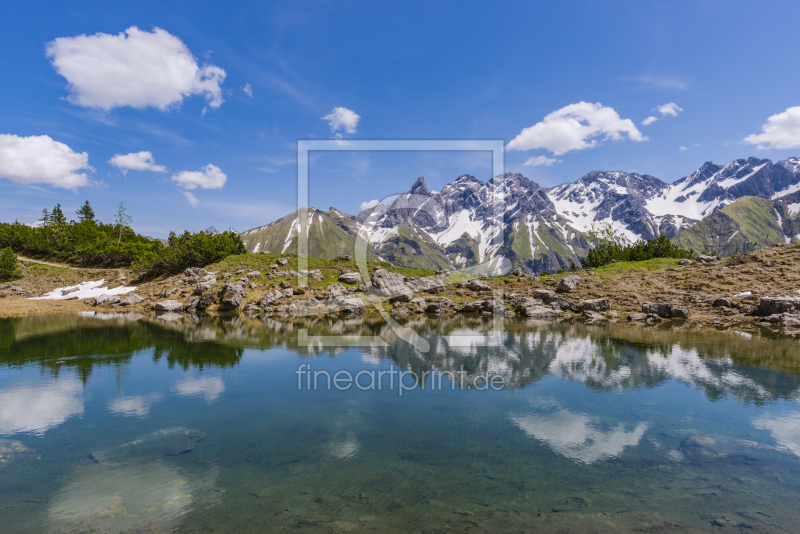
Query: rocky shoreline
[{"x": 760, "y": 287}]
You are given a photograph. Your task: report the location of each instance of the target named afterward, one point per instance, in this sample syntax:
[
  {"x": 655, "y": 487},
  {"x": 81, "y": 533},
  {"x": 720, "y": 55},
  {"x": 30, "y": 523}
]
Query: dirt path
[{"x": 62, "y": 265}]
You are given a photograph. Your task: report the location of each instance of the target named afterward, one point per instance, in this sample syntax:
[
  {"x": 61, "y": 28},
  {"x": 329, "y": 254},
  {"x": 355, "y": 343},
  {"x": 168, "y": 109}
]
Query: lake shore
[{"x": 721, "y": 292}]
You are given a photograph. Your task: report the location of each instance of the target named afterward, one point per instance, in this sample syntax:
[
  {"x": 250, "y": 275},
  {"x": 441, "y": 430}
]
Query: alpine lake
[{"x": 178, "y": 423}]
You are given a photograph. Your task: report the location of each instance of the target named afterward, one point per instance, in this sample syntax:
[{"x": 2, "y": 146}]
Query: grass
[{"x": 655, "y": 264}]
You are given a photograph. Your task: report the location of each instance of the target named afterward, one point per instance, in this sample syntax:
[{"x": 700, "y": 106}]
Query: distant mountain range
[{"x": 746, "y": 204}]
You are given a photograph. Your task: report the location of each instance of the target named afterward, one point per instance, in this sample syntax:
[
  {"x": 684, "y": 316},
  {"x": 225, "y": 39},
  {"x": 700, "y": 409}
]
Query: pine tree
[
  {"x": 85, "y": 213},
  {"x": 57, "y": 216},
  {"x": 45, "y": 217}
]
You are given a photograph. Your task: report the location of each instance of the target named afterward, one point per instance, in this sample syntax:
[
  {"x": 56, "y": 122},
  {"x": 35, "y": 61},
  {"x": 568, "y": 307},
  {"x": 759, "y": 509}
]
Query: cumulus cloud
[
  {"x": 248, "y": 90},
  {"x": 209, "y": 177},
  {"x": 576, "y": 127},
  {"x": 342, "y": 119},
  {"x": 136, "y": 161},
  {"x": 134, "y": 68},
  {"x": 541, "y": 161},
  {"x": 369, "y": 204},
  {"x": 781, "y": 131},
  {"x": 39, "y": 159},
  {"x": 672, "y": 109}
]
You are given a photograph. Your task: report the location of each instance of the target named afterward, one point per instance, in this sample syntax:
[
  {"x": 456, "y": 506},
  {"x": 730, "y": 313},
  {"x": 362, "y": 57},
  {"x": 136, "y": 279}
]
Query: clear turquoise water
[{"x": 596, "y": 430}]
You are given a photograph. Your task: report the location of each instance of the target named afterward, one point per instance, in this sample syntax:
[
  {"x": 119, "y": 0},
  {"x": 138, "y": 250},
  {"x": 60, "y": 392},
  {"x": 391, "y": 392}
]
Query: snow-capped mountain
[{"x": 476, "y": 224}]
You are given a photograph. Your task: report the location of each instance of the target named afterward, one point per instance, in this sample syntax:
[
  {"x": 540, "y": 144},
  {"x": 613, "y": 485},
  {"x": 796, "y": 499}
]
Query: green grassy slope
[{"x": 743, "y": 226}]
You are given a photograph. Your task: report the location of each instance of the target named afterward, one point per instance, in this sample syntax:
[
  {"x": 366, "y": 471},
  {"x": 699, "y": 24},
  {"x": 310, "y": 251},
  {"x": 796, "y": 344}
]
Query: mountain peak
[{"x": 419, "y": 187}]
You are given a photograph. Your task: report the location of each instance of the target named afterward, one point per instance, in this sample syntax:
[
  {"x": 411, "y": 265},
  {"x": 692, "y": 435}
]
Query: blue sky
[{"x": 219, "y": 93}]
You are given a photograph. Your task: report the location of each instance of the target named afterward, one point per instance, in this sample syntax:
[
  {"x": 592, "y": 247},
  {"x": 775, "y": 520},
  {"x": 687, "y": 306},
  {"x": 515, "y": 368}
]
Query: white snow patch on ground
[
  {"x": 85, "y": 290},
  {"x": 793, "y": 208}
]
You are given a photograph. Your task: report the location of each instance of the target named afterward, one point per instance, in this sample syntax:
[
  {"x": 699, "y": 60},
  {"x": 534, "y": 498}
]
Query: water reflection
[
  {"x": 210, "y": 388},
  {"x": 37, "y": 408},
  {"x": 134, "y": 405},
  {"x": 612, "y": 358},
  {"x": 577, "y": 436}
]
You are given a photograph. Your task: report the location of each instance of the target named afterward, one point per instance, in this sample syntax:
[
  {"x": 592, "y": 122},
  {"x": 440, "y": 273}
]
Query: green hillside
[{"x": 743, "y": 226}]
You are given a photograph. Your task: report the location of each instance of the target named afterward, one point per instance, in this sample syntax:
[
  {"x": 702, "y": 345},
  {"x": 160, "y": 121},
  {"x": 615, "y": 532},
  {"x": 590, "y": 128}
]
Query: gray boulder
[
  {"x": 685, "y": 261},
  {"x": 593, "y": 316},
  {"x": 702, "y": 258},
  {"x": 539, "y": 312},
  {"x": 777, "y": 305},
  {"x": 205, "y": 283},
  {"x": 402, "y": 294},
  {"x": 349, "y": 304},
  {"x": 595, "y": 305},
  {"x": 269, "y": 298},
  {"x": 383, "y": 279},
  {"x": 254, "y": 274},
  {"x": 169, "y": 306},
  {"x": 131, "y": 299},
  {"x": 419, "y": 301},
  {"x": 350, "y": 278},
  {"x": 545, "y": 295},
  {"x": 104, "y": 299},
  {"x": 568, "y": 283},
  {"x": 665, "y": 310},
  {"x": 475, "y": 285},
  {"x": 231, "y": 296},
  {"x": 194, "y": 272},
  {"x": 336, "y": 290},
  {"x": 562, "y": 303},
  {"x": 721, "y": 302}
]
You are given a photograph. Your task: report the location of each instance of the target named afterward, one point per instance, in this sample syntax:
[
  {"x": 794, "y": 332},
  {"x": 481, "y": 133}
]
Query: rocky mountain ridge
[{"x": 511, "y": 221}]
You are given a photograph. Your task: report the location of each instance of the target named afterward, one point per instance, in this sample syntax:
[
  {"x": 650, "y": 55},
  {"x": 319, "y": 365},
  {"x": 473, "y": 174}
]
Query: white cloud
[
  {"x": 369, "y": 204},
  {"x": 39, "y": 159},
  {"x": 248, "y": 90},
  {"x": 209, "y": 388},
  {"x": 134, "y": 68},
  {"x": 210, "y": 177},
  {"x": 342, "y": 119},
  {"x": 540, "y": 161},
  {"x": 576, "y": 127},
  {"x": 672, "y": 109},
  {"x": 685, "y": 148},
  {"x": 781, "y": 131},
  {"x": 136, "y": 161},
  {"x": 39, "y": 408},
  {"x": 191, "y": 199}
]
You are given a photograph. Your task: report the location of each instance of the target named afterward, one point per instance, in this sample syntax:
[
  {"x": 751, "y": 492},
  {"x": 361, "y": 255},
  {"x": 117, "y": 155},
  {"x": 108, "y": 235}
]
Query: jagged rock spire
[{"x": 419, "y": 187}]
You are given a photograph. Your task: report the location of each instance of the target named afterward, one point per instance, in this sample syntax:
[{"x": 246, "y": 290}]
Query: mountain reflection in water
[{"x": 191, "y": 423}]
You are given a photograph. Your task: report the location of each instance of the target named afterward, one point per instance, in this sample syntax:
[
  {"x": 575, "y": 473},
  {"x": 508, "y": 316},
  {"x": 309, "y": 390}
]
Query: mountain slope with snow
[{"x": 512, "y": 221}]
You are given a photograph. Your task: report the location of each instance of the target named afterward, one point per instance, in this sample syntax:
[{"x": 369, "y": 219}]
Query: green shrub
[
  {"x": 605, "y": 252},
  {"x": 9, "y": 265},
  {"x": 187, "y": 250}
]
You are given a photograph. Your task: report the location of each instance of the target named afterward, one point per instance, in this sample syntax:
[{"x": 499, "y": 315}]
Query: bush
[
  {"x": 187, "y": 250},
  {"x": 607, "y": 251},
  {"x": 9, "y": 265}
]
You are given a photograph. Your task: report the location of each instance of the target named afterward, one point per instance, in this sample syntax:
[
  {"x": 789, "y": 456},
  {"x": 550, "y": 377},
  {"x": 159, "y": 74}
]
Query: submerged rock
[
  {"x": 715, "y": 447},
  {"x": 14, "y": 455},
  {"x": 164, "y": 442}
]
